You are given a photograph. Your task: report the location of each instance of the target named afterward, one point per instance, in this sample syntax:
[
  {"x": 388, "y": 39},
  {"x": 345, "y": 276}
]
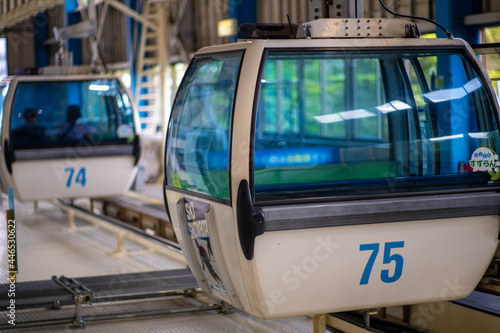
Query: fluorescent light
[
  {"x": 480, "y": 135},
  {"x": 472, "y": 85},
  {"x": 392, "y": 106},
  {"x": 444, "y": 95},
  {"x": 99, "y": 87},
  {"x": 328, "y": 118},
  {"x": 449, "y": 137},
  {"x": 356, "y": 114},
  {"x": 341, "y": 116}
]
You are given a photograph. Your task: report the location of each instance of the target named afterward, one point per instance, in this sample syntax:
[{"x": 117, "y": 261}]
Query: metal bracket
[
  {"x": 225, "y": 307},
  {"x": 307, "y": 30},
  {"x": 335, "y": 9},
  {"x": 81, "y": 295},
  {"x": 412, "y": 31},
  {"x": 358, "y": 28}
]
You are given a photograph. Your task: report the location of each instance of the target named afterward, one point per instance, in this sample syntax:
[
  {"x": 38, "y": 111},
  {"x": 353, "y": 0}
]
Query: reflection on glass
[
  {"x": 198, "y": 145},
  {"x": 338, "y": 123}
]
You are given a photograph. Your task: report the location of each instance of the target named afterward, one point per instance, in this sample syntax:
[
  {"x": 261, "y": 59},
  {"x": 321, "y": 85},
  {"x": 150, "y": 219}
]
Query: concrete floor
[{"x": 47, "y": 247}]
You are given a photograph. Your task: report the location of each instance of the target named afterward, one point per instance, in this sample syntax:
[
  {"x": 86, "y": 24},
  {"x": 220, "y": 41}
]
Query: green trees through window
[{"x": 331, "y": 121}]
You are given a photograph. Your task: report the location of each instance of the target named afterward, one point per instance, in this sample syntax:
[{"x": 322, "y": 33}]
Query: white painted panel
[
  {"x": 50, "y": 179},
  {"x": 319, "y": 270}
]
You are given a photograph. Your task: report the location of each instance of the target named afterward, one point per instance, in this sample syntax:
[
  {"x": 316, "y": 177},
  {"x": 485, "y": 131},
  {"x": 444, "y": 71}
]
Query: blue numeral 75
[{"x": 388, "y": 258}]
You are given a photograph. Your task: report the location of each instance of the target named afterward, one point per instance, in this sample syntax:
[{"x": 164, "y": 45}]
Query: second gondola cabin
[
  {"x": 67, "y": 136},
  {"x": 353, "y": 167}
]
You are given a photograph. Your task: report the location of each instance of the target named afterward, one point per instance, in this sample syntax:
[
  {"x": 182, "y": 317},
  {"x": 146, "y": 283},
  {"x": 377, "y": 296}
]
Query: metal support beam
[
  {"x": 345, "y": 326},
  {"x": 164, "y": 55},
  {"x": 78, "y": 30},
  {"x": 174, "y": 37},
  {"x": 482, "y": 19},
  {"x": 335, "y": 9},
  {"x": 319, "y": 323},
  {"x": 132, "y": 13},
  {"x": 162, "y": 249},
  {"x": 17, "y": 12}
]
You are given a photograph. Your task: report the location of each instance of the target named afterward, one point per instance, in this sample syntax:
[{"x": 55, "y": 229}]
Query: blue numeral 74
[
  {"x": 80, "y": 176},
  {"x": 388, "y": 258}
]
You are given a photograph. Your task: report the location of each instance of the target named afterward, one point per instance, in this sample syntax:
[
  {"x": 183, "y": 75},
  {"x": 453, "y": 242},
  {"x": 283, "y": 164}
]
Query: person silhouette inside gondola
[
  {"x": 73, "y": 128},
  {"x": 30, "y": 132}
]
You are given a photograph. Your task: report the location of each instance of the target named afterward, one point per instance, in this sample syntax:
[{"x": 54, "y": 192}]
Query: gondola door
[{"x": 198, "y": 172}]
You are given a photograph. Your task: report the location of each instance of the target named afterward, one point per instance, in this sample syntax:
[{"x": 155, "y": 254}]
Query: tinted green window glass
[
  {"x": 198, "y": 142},
  {"x": 372, "y": 122}
]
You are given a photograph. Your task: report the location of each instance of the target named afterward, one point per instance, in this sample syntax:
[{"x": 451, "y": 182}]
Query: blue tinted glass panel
[
  {"x": 348, "y": 123},
  {"x": 61, "y": 113},
  {"x": 198, "y": 142}
]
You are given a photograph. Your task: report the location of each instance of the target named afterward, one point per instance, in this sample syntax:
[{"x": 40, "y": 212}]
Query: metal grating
[
  {"x": 35, "y": 290},
  {"x": 49, "y": 291}
]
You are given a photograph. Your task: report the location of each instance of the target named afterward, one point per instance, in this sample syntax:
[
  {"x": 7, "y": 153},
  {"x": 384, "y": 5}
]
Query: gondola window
[
  {"x": 64, "y": 113},
  {"x": 336, "y": 123},
  {"x": 198, "y": 145}
]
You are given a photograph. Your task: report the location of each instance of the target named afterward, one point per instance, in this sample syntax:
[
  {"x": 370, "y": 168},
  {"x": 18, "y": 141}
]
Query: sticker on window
[{"x": 485, "y": 159}]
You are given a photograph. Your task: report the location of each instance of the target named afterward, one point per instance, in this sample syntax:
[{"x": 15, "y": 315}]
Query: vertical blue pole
[
  {"x": 41, "y": 54},
  {"x": 233, "y": 15},
  {"x": 244, "y": 11},
  {"x": 131, "y": 53},
  {"x": 451, "y": 15},
  {"x": 75, "y": 45}
]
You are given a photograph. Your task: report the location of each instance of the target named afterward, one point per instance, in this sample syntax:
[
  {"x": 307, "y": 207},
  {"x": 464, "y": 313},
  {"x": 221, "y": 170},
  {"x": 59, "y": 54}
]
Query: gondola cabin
[
  {"x": 67, "y": 136},
  {"x": 348, "y": 168}
]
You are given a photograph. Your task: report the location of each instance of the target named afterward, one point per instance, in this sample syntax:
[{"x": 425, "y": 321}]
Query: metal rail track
[
  {"x": 122, "y": 230},
  {"x": 61, "y": 291}
]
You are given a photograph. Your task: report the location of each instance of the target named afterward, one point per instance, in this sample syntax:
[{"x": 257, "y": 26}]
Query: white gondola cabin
[
  {"x": 67, "y": 136},
  {"x": 326, "y": 173}
]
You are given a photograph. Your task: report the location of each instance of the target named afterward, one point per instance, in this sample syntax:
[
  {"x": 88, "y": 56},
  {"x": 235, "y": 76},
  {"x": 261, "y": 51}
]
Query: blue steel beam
[
  {"x": 132, "y": 27},
  {"x": 40, "y": 29},
  {"x": 451, "y": 14},
  {"x": 244, "y": 11},
  {"x": 74, "y": 45}
]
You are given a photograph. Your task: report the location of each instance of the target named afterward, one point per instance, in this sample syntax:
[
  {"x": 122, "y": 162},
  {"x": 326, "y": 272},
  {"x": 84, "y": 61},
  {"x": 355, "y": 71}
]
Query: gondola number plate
[
  {"x": 389, "y": 257},
  {"x": 78, "y": 179}
]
